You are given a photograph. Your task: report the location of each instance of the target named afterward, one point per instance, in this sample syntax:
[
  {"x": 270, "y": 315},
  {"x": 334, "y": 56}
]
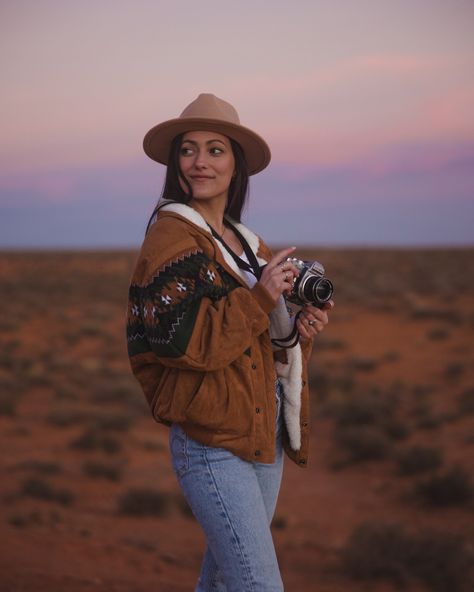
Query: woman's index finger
[{"x": 280, "y": 256}]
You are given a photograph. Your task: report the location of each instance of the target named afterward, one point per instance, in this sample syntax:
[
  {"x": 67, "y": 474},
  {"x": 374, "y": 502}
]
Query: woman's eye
[
  {"x": 185, "y": 151},
  {"x": 216, "y": 150}
]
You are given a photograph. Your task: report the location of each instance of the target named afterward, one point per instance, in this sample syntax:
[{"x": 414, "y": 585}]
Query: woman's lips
[{"x": 200, "y": 178}]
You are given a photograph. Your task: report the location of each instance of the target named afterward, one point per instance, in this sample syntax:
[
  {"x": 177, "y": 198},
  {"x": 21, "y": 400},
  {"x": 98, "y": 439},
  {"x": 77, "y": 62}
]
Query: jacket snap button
[
  {"x": 305, "y": 424},
  {"x": 257, "y": 410},
  {"x": 257, "y": 453},
  {"x": 254, "y": 366}
]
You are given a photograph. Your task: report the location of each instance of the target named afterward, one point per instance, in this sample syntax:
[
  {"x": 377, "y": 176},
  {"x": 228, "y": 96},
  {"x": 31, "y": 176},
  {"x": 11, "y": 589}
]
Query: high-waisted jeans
[{"x": 234, "y": 501}]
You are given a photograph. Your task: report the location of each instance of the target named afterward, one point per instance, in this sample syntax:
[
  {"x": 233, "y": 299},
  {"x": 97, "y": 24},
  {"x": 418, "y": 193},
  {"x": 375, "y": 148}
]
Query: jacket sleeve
[{"x": 192, "y": 314}]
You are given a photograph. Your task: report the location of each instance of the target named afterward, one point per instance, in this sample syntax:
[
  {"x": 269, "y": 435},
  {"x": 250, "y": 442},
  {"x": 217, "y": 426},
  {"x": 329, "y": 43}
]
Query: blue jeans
[{"x": 234, "y": 501}]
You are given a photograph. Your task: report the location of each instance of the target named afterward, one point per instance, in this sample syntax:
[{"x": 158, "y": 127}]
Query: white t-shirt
[{"x": 251, "y": 279}]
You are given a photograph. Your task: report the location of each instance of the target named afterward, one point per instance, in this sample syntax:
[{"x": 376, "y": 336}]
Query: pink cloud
[
  {"x": 452, "y": 112},
  {"x": 342, "y": 71}
]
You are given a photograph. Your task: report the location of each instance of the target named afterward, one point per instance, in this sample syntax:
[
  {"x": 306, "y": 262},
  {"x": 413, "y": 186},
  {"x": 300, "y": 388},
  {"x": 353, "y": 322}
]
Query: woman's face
[{"x": 207, "y": 162}]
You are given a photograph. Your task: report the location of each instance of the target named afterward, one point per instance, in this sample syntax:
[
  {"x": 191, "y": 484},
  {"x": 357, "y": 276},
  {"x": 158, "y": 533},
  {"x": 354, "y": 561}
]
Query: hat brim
[{"x": 158, "y": 139}]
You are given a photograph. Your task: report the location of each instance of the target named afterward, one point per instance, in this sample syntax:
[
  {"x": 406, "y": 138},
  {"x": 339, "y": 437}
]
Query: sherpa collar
[{"x": 195, "y": 217}]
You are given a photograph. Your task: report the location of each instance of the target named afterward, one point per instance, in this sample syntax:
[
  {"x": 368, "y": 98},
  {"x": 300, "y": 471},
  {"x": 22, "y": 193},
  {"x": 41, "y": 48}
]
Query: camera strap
[
  {"x": 292, "y": 339},
  {"x": 253, "y": 267}
]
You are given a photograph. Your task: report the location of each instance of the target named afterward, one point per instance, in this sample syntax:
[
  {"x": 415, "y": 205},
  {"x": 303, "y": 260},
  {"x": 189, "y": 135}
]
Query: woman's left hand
[{"x": 312, "y": 320}]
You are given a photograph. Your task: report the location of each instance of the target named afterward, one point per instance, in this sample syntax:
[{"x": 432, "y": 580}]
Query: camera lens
[
  {"x": 318, "y": 290},
  {"x": 323, "y": 290}
]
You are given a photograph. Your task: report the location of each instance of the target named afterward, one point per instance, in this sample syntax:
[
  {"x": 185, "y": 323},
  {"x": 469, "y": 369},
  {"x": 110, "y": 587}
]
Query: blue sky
[{"x": 367, "y": 107}]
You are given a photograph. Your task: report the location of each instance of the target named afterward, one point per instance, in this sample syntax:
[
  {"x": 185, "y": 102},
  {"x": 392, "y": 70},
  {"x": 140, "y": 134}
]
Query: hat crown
[
  {"x": 208, "y": 106},
  {"x": 208, "y": 113}
]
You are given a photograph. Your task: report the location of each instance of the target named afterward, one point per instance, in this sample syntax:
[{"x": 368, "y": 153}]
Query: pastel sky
[{"x": 367, "y": 106}]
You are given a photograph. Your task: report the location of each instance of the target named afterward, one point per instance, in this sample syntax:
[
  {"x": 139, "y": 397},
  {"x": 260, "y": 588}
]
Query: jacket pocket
[
  {"x": 210, "y": 404},
  {"x": 224, "y": 401}
]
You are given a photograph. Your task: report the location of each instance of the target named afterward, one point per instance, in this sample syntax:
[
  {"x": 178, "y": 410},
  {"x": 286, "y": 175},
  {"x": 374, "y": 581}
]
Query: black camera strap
[
  {"x": 253, "y": 267},
  {"x": 292, "y": 339}
]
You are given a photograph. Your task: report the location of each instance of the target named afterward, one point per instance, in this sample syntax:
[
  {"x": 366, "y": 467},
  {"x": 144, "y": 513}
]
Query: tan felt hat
[{"x": 208, "y": 113}]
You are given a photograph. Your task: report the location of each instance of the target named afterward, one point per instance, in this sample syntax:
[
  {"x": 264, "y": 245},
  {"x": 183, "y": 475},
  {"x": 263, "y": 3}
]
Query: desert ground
[{"x": 88, "y": 499}]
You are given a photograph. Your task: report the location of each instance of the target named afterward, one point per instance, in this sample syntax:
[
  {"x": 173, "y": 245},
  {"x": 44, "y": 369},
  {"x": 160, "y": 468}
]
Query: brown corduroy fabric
[{"x": 199, "y": 344}]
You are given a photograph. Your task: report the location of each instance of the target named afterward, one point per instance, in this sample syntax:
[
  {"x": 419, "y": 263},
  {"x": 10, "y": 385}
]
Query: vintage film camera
[{"x": 310, "y": 287}]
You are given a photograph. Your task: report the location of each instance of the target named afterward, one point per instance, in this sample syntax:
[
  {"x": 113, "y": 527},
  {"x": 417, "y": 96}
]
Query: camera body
[{"x": 310, "y": 287}]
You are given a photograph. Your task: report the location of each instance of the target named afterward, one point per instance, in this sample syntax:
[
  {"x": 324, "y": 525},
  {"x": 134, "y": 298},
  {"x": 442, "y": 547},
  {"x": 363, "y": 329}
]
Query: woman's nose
[{"x": 201, "y": 160}]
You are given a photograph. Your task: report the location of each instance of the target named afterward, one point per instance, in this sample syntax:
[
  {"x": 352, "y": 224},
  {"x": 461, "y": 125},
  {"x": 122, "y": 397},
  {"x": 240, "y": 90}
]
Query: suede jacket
[{"x": 199, "y": 342}]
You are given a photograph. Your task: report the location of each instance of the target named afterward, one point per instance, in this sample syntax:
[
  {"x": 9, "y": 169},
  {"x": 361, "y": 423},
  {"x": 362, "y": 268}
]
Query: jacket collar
[{"x": 195, "y": 217}]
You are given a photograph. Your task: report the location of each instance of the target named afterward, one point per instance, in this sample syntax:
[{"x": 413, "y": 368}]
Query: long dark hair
[{"x": 172, "y": 189}]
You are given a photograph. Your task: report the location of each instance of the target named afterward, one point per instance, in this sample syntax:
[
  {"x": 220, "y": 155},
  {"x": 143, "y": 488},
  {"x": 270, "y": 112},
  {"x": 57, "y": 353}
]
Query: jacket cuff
[{"x": 263, "y": 297}]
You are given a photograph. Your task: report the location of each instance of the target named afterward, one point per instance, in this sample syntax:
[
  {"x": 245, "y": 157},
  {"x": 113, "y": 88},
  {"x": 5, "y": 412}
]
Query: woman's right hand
[{"x": 278, "y": 275}]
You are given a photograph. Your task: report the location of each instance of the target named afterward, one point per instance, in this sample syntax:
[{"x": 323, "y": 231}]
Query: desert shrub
[
  {"x": 116, "y": 422},
  {"x": 440, "y": 560},
  {"x": 391, "y": 356},
  {"x": 362, "y": 443},
  {"x": 423, "y": 415},
  {"x": 117, "y": 388},
  {"x": 418, "y": 459},
  {"x": 102, "y": 470},
  {"x": 421, "y": 313},
  {"x": 183, "y": 506},
  {"x": 18, "y": 520},
  {"x": 140, "y": 543},
  {"x": 359, "y": 409},
  {"x": 369, "y": 409},
  {"x": 21, "y": 520},
  {"x": 326, "y": 383},
  {"x": 451, "y": 489},
  {"x": 279, "y": 522},
  {"x": 144, "y": 502},
  {"x": 328, "y": 343},
  {"x": 422, "y": 391},
  {"x": 10, "y": 360},
  {"x": 91, "y": 329},
  {"x": 437, "y": 334},
  {"x": 376, "y": 551},
  {"x": 21, "y": 368},
  {"x": 150, "y": 445},
  {"x": 362, "y": 408},
  {"x": 40, "y": 489},
  {"x": 395, "y": 428},
  {"x": 7, "y": 404},
  {"x": 454, "y": 370},
  {"x": 363, "y": 364},
  {"x": 10, "y": 324},
  {"x": 94, "y": 439},
  {"x": 43, "y": 467},
  {"x": 466, "y": 402},
  {"x": 429, "y": 422},
  {"x": 65, "y": 392},
  {"x": 66, "y": 417}
]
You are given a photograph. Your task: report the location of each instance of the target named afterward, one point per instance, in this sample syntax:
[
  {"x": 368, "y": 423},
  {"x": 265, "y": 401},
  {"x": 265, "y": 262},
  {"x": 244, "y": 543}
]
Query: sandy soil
[{"x": 392, "y": 374}]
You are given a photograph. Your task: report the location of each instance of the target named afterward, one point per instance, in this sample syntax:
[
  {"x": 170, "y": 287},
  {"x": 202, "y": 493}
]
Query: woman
[{"x": 205, "y": 301}]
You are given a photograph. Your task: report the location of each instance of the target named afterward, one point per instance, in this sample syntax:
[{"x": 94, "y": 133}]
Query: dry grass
[
  {"x": 440, "y": 560},
  {"x": 379, "y": 404}
]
